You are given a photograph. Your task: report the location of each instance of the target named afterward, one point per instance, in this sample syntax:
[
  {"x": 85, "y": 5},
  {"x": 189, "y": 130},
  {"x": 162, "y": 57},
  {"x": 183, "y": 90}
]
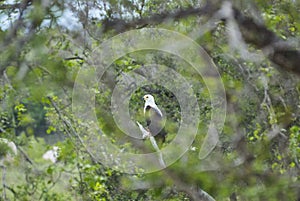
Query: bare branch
[
  {"x": 74, "y": 58},
  {"x": 25, "y": 156},
  {"x": 10, "y": 6}
]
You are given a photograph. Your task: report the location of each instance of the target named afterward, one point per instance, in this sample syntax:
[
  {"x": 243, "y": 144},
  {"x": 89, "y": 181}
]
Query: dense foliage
[{"x": 45, "y": 45}]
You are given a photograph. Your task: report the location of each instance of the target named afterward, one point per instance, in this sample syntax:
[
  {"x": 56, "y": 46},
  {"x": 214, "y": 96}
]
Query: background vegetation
[{"x": 45, "y": 43}]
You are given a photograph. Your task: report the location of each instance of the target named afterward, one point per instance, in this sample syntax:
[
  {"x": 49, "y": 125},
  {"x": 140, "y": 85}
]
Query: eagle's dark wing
[{"x": 154, "y": 121}]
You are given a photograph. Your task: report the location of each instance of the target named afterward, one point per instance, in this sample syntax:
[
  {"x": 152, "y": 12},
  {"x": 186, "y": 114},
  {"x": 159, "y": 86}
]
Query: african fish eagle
[{"x": 154, "y": 118}]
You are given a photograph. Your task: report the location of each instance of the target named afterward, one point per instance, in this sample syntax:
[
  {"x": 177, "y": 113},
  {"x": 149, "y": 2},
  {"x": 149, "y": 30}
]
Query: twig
[
  {"x": 8, "y": 80},
  {"x": 11, "y": 190},
  {"x": 4, "y": 182},
  {"x": 74, "y": 58},
  {"x": 71, "y": 128},
  {"x": 54, "y": 181},
  {"x": 25, "y": 155}
]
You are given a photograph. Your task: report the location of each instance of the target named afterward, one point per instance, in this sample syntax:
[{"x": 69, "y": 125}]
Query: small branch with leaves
[{"x": 70, "y": 130}]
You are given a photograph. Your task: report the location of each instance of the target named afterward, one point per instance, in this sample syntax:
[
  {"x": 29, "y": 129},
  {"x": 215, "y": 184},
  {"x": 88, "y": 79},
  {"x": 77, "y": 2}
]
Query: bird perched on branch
[{"x": 154, "y": 118}]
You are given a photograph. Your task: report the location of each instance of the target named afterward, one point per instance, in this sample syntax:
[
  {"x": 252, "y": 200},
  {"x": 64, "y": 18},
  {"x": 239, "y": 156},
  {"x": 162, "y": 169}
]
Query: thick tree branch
[
  {"x": 10, "y": 6},
  {"x": 120, "y": 25},
  {"x": 278, "y": 50}
]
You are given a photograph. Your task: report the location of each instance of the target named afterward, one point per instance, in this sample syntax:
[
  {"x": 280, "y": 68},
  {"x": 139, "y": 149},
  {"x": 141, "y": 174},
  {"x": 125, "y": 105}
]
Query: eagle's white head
[{"x": 149, "y": 100}]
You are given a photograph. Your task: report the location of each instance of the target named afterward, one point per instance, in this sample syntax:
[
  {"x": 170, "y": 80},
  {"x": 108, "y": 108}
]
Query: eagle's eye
[{"x": 147, "y": 97}]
